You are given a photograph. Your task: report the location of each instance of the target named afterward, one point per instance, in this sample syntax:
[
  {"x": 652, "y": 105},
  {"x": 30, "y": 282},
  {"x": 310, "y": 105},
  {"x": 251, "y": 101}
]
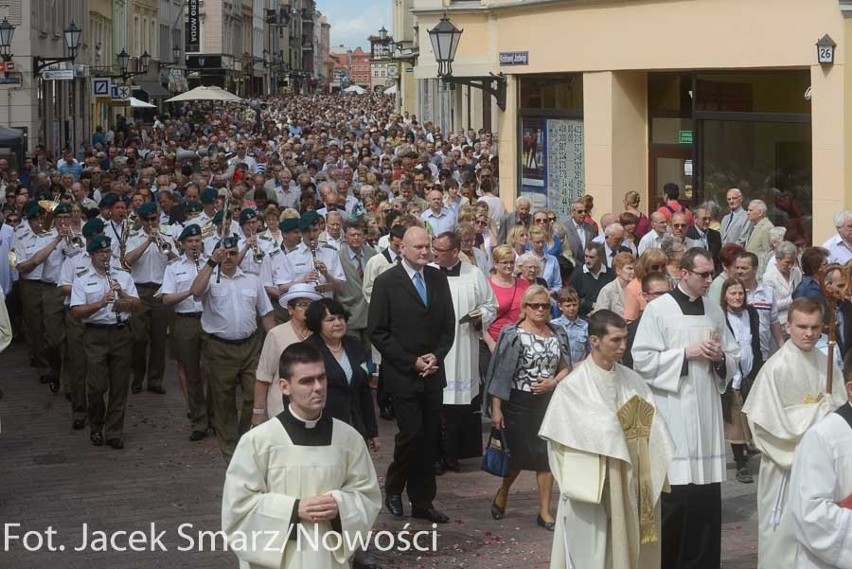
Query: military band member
[
  {"x": 103, "y": 300},
  {"x": 74, "y": 365},
  {"x": 193, "y": 210},
  {"x": 208, "y": 205},
  {"x": 32, "y": 249},
  {"x": 232, "y": 300},
  {"x": 276, "y": 269},
  {"x": 117, "y": 226},
  {"x": 312, "y": 263},
  {"x": 291, "y": 235},
  {"x": 253, "y": 247},
  {"x": 148, "y": 252},
  {"x": 186, "y": 333},
  {"x": 209, "y": 242},
  {"x": 52, "y": 298}
]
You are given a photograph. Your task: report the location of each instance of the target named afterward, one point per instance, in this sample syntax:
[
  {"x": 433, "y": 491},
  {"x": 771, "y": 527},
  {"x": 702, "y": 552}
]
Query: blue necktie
[{"x": 421, "y": 288}]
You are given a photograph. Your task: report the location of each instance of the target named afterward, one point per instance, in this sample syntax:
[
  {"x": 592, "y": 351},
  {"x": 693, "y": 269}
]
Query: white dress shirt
[
  {"x": 91, "y": 288},
  {"x": 178, "y": 278},
  {"x": 232, "y": 305}
]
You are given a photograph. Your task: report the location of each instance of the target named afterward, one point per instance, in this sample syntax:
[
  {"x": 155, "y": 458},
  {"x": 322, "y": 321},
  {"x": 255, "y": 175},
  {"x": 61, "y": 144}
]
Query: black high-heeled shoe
[
  {"x": 496, "y": 511},
  {"x": 546, "y": 525}
]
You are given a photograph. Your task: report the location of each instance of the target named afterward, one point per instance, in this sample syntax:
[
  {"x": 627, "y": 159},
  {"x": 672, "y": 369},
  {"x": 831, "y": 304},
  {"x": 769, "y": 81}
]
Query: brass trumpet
[
  {"x": 48, "y": 206},
  {"x": 74, "y": 240},
  {"x": 164, "y": 246}
]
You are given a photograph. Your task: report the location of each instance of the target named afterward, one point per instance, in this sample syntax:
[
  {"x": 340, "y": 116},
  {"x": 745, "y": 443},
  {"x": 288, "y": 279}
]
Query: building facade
[{"x": 648, "y": 96}]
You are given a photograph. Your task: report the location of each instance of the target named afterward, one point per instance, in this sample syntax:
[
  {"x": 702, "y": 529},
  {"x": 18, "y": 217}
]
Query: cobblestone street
[{"x": 51, "y": 475}]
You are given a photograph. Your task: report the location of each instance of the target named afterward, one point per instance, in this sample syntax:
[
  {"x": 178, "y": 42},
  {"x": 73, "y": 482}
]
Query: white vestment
[
  {"x": 821, "y": 479},
  {"x": 599, "y": 521},
  {"x": 690, "y": 404},
  {"x": 786, "y": 400},
  {"x": 269, "y": 473},
  {"x": 470, "y": 290}
]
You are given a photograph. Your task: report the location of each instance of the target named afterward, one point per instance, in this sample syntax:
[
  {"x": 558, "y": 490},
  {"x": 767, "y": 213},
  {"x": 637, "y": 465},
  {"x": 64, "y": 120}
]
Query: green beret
[
  {"x": 229, "y": 242},
  {"x": 308, "y": 220},
  {"x": 193, "y": 206},
  {"x": 32, "y": 209},
  {"x": 289, "y": 224},
  {"x": 247, "y": 215},
  {"x": 93, "y": 227},
  {"x": 108, "y": 200},
  {"x": 62, "y": 209},
  {"x": 209, "y": 195},
  {"x": 219, "y": 217},
  {"x": 147, "y": 209},
  {"x": 98, "y": 243},
  {"x": 191, "y": 230}
]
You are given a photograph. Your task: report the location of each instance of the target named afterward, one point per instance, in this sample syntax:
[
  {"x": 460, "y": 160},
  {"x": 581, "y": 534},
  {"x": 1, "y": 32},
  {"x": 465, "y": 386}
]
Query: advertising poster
[
  {"x": 533, "y": 165},
  {"x": 565, "y": 178}
]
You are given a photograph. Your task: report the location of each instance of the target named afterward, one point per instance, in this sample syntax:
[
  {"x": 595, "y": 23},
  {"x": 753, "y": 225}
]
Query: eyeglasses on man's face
[{"x": 704, "y": 275}]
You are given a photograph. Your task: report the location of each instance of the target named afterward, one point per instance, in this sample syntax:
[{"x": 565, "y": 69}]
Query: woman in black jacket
[
  {"x": 744, "y": 323},
  {"x": 349, "y": 396}
]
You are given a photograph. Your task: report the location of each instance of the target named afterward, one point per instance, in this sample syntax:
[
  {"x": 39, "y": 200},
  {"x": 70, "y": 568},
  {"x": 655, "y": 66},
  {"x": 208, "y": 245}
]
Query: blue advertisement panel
[{"x": 533, "y": 166}]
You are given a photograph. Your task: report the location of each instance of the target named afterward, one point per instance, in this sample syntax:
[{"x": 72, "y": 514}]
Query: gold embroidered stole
[{"x": 636, "y": 417}]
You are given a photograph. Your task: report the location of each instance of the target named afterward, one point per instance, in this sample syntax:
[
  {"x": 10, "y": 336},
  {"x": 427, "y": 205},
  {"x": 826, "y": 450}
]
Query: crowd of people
[{"x": 296, "y": 255}]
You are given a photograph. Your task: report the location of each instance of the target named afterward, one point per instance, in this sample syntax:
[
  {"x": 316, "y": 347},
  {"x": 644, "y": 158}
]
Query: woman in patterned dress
[{"x": 531, "y": 358}]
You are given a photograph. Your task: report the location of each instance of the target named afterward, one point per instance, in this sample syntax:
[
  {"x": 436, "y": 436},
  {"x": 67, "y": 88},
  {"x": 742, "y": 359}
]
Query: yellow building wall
[{"x": 600, "y": 37}]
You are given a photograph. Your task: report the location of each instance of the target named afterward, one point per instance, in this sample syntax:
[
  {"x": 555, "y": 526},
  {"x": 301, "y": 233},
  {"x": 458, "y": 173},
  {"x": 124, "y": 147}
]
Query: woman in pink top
[
  {"x": 653, "y": 260},
  {"x": 509, "y": 291}
]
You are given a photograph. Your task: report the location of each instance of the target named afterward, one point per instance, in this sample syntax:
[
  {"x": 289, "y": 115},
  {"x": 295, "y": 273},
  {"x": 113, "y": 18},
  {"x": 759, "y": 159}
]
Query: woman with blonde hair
[
  {"x": 674, "y": 248},
  {"x": 544, "y": 219},
  {"x": 530, "y": 360},
  {"x": 518, "y": 239},
  {"x": 653, "y": 260},
  {"x": 486, "y": 236},
  {"x": 631, "y": 204},
  {"x": 508, "y": 290}
]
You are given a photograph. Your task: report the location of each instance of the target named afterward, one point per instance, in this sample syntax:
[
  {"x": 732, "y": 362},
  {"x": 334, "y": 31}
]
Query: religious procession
[{"x": 304, "y": 274}]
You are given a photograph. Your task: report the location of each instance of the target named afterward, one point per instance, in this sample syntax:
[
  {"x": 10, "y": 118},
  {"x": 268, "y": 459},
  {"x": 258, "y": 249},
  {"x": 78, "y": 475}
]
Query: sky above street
[{"x": 353, "y": 20}]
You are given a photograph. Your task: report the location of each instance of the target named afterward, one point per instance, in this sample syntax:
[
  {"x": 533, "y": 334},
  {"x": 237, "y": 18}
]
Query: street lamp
[
  {"x": 72, "y": 35},
  {"x": 7, "y": 30},
  {"x": 123, "y": 58},
  {"x": 445, "y": 39},
  {"x": 176, "y": 54}
]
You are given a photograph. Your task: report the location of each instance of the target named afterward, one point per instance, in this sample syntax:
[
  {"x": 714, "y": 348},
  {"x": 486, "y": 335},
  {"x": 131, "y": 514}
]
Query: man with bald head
[
  {"x": 735, "y": 225},
  {"x": 659, "y": 228},
  {"x": 411, "y": 323}
]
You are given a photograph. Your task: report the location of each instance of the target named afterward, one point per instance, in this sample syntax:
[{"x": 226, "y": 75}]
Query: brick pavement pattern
[{"x": 51, "y": 475}]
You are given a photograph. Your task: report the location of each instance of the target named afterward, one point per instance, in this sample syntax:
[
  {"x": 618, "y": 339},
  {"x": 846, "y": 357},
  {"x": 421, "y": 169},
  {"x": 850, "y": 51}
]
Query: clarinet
[
  {"x": 110, "y": 283},
  {"x": 195, "y": 257},
  {"x": 313, "y": 249}
]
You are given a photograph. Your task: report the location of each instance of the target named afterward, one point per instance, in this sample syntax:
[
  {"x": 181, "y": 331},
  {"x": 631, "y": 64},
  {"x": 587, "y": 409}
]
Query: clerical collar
[
  {"x": 309, "y": 424},
  {"x": 686, "y": 295},
  {"x": 690, "y": 306},
  {"x": 307, "y": 433},
  {"x": 453, "y": 271}
]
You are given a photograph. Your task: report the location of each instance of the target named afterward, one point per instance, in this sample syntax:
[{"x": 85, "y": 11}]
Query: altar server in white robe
[
  {"x": 475, "y": 308},
  {"x": 821, "y": 490},
  {"x": 788, "y": 397},
  {"x": 686, "y": 353},
  {"x": 609, "y": 451},
  {"x": 302, "y": 469}
]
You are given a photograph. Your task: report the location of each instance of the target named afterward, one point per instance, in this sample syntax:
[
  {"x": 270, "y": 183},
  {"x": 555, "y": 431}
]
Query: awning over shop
[{"x": 153, "y": 89}]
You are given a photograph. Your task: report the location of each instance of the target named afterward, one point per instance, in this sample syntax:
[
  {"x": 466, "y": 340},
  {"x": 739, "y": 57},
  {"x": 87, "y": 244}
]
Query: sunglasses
[
  {"x": 540, "y": 220},
  {"x": 480, "y": 222},
  {"x": 551, "y": 219},
  {"x": 656, "y": 268},
  {"x": 678, "y": 225},
  {"x": 539, "y": 305}
]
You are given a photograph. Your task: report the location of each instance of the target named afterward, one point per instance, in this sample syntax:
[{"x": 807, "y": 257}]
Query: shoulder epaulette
[{"x": 327, "y": 246}]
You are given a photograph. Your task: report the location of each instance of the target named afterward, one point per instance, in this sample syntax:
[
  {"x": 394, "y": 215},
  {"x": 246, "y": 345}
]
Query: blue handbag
[{"x": 497, "y": 459}]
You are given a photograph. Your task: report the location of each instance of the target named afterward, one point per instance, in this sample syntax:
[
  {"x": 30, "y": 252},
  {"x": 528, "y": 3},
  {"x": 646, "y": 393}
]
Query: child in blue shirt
[{"x": 576, "y": 327}]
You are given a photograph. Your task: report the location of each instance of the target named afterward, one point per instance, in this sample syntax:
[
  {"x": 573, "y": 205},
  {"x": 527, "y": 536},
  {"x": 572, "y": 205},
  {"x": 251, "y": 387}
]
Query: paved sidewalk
[{"x": 51, "y": 475}]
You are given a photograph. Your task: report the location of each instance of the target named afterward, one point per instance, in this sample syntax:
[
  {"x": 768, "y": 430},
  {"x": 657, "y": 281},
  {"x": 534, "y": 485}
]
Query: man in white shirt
[
  {"x": 840, "y": 245},
  {"x": 243, "y": 158},
  {"x": 762, "y": 298},
  {"x": 439, "y": 218},
  {"x": 232, "y": 304},
  {"x": 655, "y": 236}
]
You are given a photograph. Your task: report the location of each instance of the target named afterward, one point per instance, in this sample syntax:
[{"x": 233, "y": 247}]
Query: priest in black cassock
[{"x": 687, "y": 354}]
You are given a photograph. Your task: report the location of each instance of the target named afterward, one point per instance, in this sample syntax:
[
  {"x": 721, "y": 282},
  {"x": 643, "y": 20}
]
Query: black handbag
[{"x": 497, "y": 459}]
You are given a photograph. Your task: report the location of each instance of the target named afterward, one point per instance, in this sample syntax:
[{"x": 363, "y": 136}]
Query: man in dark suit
[
  {"x": 521, "y": 216},
  {"x": 412, "y": 324},
  {"x": 613, "y": 243},
  {"x": 577, "y": 232},
  {"x": 589, "y": 279},
  {"x": 700, "y": 235}
]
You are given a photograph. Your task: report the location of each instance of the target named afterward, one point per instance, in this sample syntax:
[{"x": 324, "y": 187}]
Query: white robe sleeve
[
  {"x": 659, "y": 366},
  {"x": 248, "y": 506},
  {"x": 778, "y": 450},
  {"x": 821, "y": 526},
  {"x": 358, "y": 501},
  {"x": 580, "y": 475}
]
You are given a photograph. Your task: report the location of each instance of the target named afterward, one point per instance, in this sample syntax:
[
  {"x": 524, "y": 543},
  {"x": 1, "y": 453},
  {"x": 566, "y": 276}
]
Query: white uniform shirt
[
  {"x": 91, "y": 287},
  {"x": 231, "y": 305},
  {"x": 151, "y": 265},
  {"x": 77, "y": 266},
  {"x": 248, "y": 264},
  {"x": 275, "y": 269},
  {"x": 838, "y": 251},
  {"x": 301, "y": 262},
  {"x": 26, "y": 246},
  {"x": 52, "y": 266},
  {"x": 178, "y": 278}
]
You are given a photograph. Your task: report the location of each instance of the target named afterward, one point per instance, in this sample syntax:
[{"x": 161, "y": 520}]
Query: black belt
[
  {"x": 189, "y": 314},
  {"x": 230, "y": 342},
  {"x": 117, "y": 326},
  {"x": 37, "y": 282},
  {"x": 152, "y": 285}
]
